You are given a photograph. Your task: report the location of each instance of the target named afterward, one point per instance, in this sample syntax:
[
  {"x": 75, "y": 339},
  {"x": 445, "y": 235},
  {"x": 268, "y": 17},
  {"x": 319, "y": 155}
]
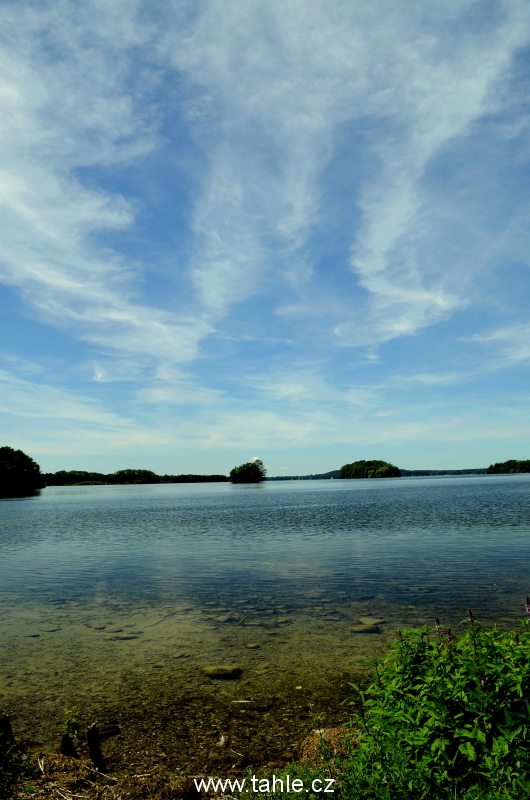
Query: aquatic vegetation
[{"x": 71, "y": 721}]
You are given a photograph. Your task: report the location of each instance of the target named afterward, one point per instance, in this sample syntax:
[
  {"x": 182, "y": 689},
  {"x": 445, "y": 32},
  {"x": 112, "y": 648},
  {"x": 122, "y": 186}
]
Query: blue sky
[{"x": 292, "y": 230}]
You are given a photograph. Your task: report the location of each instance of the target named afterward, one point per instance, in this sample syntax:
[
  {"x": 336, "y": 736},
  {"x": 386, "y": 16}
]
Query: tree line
[
  {"x": 21, "y": 476},
  {"x": 508, "y": 466},
  {"x": 121, "y": 477}
]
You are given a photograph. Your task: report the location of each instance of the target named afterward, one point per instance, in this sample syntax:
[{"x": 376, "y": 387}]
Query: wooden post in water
[
  {"x": 7, "y": 740},
  {"x": 68, "y": 747},
  {"x": 92, "y": 738}
]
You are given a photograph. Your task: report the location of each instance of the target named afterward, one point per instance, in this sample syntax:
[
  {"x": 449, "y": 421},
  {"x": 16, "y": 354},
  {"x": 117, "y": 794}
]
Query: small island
[
  {"x": 369, "y": 469},
  {"x": 251, "y": 472}
]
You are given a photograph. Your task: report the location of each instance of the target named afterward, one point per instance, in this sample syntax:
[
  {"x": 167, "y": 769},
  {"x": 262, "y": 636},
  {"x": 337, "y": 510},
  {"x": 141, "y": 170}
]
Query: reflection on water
[{"x": 96, "y": 582}]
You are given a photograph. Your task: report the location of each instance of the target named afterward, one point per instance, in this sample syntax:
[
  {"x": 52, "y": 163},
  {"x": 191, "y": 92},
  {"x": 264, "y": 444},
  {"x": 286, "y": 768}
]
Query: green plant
[
  {"x": 71, "y": 721},
  {"x": 446, "y": 717}
]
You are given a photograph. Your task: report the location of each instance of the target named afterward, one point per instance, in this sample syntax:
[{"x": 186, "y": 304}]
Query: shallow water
[{"x": 101, "y": 585}]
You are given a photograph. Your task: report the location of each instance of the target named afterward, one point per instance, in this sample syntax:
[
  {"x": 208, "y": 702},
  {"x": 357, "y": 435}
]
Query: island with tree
[
  {"x": 369, "y": 469},
  {"x": 251, "y": 472},
  {"x": 20, "y": 476}
]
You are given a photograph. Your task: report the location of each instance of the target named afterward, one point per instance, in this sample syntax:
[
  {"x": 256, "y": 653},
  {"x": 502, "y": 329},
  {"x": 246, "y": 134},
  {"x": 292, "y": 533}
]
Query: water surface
[{"x": 102, "y": 581}]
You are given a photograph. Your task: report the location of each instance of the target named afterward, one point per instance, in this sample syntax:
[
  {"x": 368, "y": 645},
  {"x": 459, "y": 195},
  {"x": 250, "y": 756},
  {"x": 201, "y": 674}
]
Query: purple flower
[
  {"x": 438, "y": 626},
  {"x": 527, "y": 605}
]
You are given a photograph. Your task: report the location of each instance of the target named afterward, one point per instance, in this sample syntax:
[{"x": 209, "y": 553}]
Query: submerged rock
[
  {"x": 364, "y": 629},
  {"x": 371, "y": 620},
  {"x": 222, "y": 671}
]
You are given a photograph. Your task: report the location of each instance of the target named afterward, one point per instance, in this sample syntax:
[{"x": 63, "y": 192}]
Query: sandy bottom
[{"x": 141, "y": 668}]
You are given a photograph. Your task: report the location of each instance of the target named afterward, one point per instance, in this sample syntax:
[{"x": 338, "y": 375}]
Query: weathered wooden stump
[
  {"x": 7, "y": 740},
  {"x": 68, "y": 747},
  {"x": 94, "y": 749}
]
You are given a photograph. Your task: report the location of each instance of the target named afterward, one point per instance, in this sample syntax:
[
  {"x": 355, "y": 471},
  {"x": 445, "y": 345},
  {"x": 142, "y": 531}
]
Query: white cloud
[
  {"x": 23, "y": 398},
  {"x": 273, "y": 84},
  {"x": 274, "y": 94},
  {"x": 277, "y": 82},
  {"x": 64, "y": 114},
  {"x": 511, "y": 344}
]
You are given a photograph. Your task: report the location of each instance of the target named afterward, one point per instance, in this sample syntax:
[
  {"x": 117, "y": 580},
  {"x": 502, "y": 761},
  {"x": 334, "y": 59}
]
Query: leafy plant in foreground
[
  {"x": 71, "y": 721},
  {"x": 446, "y": 717}
]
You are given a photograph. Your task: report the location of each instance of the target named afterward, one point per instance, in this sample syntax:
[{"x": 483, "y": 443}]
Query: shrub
[{"x": 446, "y": 717}]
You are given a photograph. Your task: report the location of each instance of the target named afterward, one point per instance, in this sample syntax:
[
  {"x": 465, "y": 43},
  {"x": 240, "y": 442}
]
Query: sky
[{"x": 290, "y": 230}]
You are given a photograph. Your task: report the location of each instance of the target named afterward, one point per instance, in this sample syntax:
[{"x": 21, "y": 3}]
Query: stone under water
[{"x": 222, "y": 671}]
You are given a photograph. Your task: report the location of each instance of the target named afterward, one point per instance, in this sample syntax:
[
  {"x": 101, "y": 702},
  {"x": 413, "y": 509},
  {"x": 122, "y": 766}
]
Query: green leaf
[{"x": 468, "y": 750}]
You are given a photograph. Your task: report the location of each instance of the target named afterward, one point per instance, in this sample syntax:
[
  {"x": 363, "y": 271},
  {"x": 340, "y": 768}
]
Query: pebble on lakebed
[
  {"x": 222, "y": 671},
  {"x": 364, "y": 629},
  {"x": 371, "y": 620}
]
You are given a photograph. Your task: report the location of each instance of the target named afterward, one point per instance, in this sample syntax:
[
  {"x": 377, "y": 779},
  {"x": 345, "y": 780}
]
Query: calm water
[
  {"x": 452, "y": 536},
  {"x": 145, "y": 570}
]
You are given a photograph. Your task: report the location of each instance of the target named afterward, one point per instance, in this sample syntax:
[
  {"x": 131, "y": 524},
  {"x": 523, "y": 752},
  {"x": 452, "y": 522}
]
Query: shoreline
[{"x": 213, "y": 731}]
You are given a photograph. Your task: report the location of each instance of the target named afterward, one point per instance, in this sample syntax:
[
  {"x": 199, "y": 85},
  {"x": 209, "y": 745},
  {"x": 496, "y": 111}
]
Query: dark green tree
[
  {"x": 251, "y": 472},
  {"x": 509, "y": 466},
  {"x": 20, "y": 476},
  {"x": 369, "y": 469},
  {"x": 135, "y": 476}
]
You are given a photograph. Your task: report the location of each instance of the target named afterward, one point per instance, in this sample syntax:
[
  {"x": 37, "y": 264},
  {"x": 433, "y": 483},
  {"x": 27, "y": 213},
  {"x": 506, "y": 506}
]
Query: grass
[{"x": 444, "y": 718}]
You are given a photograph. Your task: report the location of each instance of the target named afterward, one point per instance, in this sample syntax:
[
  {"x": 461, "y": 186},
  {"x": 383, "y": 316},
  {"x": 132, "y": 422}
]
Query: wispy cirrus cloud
[
  {"x": 285, "y": 80},
  {"x": 217, "y": 199},
  {"x": 70, "y": 106}
]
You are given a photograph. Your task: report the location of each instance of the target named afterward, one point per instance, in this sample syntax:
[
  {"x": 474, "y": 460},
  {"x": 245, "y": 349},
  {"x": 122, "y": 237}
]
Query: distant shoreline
[
  {"x": 405, "y": 473},
  {"x": 142, "y": 476}
]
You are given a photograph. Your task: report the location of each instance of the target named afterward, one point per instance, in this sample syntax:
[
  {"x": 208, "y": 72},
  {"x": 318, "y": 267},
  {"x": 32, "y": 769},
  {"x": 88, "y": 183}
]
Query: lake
[{"x": 98, "y": 584}]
